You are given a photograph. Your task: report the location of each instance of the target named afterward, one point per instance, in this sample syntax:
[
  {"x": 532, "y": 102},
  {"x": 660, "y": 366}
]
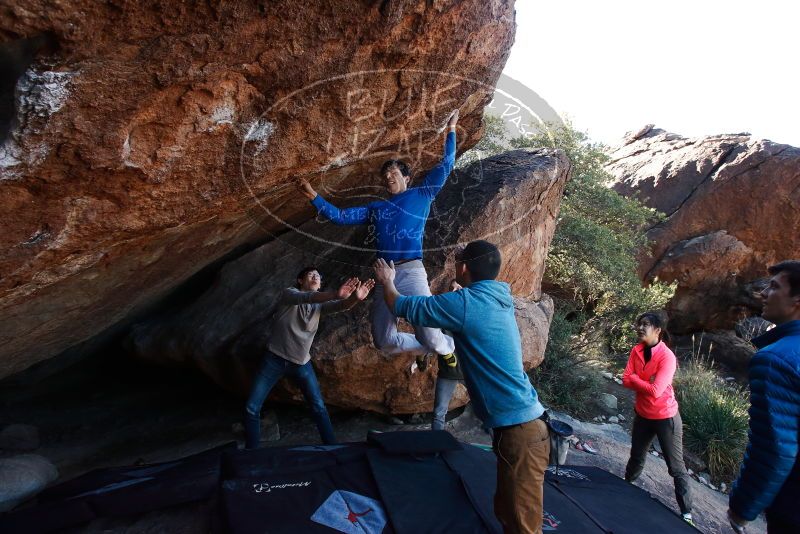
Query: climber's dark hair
[{"x": 405, "y": 170}]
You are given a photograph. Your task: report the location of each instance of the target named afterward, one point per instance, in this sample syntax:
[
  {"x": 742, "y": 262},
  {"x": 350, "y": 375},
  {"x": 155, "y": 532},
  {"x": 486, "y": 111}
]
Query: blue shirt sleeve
[
  {"x": 446, "y": 311},
  {"x": 773, "y": 445},
  {"x": 347, "y": 216},
  {"x": 436, "y": 177}
]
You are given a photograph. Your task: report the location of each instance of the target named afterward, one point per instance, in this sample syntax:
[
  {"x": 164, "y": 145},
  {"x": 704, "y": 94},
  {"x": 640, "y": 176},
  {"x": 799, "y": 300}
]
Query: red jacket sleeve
[{"x": 629, "y": 371}]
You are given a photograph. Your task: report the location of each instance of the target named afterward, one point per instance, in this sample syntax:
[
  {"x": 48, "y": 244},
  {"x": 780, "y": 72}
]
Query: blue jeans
[
  {"x": 273, "y": 368},
  {"x": 441, "y": 400}
]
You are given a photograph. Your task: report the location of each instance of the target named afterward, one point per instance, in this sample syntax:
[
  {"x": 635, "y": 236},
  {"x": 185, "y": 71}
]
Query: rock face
[
  {"x": 727, "y": 347},
  {"x": 22, "y": 477},
  {"x": 19, "y": 437},
  {"x": 144, "y": 141},
  {"x": 731, "y": 350},
  {"x": 731, "y": 206},
  {"x": 511, "y": 199}
]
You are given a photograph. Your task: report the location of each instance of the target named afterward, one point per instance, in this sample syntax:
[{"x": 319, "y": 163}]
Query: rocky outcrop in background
[
  {"x": 731, "y": 210},
  {"x": 143, "y": 141},
  {"x": 511, "y": 199}
]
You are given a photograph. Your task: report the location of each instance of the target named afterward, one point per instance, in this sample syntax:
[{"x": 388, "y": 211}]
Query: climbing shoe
[
  {"x": 422, "y": 362},
  {"x": 450, "y": 359},
  {"x": 688, "y": 518}
]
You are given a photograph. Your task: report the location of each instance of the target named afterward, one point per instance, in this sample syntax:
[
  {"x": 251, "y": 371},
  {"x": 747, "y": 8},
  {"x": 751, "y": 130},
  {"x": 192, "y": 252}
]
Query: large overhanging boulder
[
  {"x": 144, "y": 141},
  {"x": 731, "y": 205},
  {"x": 510, "y": 199}
]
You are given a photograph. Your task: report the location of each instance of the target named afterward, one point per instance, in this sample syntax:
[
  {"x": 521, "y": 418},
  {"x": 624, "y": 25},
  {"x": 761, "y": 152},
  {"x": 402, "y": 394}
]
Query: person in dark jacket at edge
[
  {"x": 487, "y": 339},
  {"x": 769, "y": 478},
  {"x": 294, "y": 326}
]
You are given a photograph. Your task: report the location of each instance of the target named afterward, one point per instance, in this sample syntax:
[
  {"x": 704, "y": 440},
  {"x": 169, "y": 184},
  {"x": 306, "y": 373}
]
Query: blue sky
[{"x": 697, "y": 67}]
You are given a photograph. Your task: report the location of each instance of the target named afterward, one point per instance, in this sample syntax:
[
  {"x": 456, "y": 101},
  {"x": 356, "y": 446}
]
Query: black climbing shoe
[{"x": 422, "y": 362}]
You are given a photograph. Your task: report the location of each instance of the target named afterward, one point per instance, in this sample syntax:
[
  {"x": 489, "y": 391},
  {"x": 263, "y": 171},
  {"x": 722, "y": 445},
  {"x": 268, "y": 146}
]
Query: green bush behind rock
[
  {"x": 592, "y": 271},
  {"x": 715, "y": 420}
]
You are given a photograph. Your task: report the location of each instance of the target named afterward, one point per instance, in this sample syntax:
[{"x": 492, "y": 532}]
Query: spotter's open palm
[{"x": 364, "y": 288}]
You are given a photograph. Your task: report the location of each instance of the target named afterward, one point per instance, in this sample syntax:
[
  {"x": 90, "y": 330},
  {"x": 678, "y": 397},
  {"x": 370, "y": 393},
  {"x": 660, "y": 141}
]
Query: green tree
[
  {"x": 592, "y": 270},
  {"x": 599, "y": 234},
  {"x": 593, "y": 255},
  {"x": 494, "y": 141}
]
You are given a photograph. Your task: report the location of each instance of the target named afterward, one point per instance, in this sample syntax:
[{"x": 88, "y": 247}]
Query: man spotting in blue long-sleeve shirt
[{"x": 399, "y": 223}]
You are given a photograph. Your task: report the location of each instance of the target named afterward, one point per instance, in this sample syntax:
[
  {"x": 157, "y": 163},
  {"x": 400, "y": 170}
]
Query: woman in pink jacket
[{"x": 649, "y": 373}]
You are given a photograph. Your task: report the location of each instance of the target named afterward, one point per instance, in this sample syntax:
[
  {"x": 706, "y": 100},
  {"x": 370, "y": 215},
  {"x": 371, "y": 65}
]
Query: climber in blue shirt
[{"x": 399, "y": 223}]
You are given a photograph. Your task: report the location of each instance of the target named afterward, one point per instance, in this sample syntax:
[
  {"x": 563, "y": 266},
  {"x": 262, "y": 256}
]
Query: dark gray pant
[
  {"x": 670, "y": 436},
  {"x": 411, "y": 279},
  {"x": 780, "y": 526}
]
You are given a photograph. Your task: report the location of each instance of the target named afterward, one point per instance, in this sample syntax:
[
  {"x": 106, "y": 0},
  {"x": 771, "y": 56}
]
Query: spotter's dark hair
[
  {"x": 792, "y": 270},
  {"x": 304, "y": 272},
  {"x": 658, "y": 320},
  {"x": 483, "y": 260}
]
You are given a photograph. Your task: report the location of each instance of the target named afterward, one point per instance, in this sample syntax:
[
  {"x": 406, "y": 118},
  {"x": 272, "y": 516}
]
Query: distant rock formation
[{"x": 732, "y": 210}]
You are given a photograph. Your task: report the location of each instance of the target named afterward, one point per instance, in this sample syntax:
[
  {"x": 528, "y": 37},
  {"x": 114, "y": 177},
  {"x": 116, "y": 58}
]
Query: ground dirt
[{"x": 103, "y": 413}]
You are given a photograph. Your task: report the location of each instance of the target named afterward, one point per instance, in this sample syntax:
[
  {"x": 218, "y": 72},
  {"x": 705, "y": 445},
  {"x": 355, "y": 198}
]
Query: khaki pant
[
  {"x": 522, "y": 453},
  {"x": 411, "y": 279}
]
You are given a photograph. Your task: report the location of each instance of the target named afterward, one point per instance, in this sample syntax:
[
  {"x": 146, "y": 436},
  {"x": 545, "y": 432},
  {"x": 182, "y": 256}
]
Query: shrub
[
  {"x": 599, "y": 234},
  {"x": 494, "y": 141},
  {"x": 591, "y": 265},
  {"x": 564, "y": 381},
  {"x": 715, "y": 420},
  {"x": 593, "y": 255}
]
